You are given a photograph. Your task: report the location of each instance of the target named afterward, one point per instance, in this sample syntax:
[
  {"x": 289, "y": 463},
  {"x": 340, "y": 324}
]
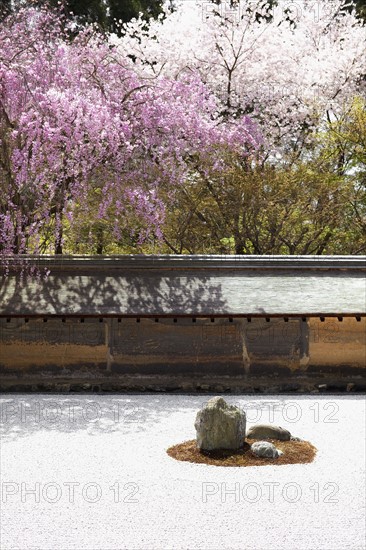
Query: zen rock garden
[
  {"x": 222, "y": 439},
  {"x": 223, "y": 426}
]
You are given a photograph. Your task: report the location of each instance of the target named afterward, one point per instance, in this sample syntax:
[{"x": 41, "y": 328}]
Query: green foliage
[
  {"x": 128, "y": 9},
  {"x": 346, "y": 137},
  {"x": 93, "y": 234},
  {"x": 314, "y": 205},
  {"x": 104, "y": 13},
  {"x": 361, "y": 8},
  {"x": 89, "y": 11},
  {"x": 260, "y": 210},
  {"x": 345, "y": 150}
]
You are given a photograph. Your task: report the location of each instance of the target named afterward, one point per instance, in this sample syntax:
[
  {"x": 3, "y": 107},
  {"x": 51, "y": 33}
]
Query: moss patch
[{"x": 295, "y": 452}]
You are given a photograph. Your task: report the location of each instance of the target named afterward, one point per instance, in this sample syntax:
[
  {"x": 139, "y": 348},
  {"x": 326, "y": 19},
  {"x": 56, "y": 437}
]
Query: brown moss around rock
[{"x": 294, "y": 452}]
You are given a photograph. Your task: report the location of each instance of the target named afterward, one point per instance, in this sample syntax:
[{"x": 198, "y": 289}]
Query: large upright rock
[{"x": 220, "y": 426}]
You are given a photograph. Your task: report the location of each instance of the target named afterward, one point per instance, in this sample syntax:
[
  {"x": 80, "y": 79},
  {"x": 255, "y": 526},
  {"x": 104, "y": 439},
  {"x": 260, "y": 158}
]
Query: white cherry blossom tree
[{"x": 289, "y": 66}]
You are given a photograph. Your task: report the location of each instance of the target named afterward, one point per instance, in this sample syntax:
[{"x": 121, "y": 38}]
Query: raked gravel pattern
[{"x": 90, "y": 472}]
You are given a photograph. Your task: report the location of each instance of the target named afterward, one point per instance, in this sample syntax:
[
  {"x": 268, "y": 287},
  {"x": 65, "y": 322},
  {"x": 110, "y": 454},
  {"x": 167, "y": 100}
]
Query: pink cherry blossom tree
[{"x": 76, "y": 114}]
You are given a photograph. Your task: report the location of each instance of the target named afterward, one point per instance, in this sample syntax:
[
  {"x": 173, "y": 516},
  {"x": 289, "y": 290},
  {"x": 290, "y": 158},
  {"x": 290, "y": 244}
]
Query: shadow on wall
[
  {"x": 188, "y": 291},
  {"x": 111, "y": 294}
]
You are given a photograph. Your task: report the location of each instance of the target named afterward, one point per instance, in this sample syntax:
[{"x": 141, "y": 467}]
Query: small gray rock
[
  {"x": 265, "y": 449},
  {"x": 220, "y": 426},
  {"x": 268, "y": 431}
]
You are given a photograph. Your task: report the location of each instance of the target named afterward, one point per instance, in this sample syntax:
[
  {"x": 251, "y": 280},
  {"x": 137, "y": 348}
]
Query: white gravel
[{"x": 129, "y": 494}]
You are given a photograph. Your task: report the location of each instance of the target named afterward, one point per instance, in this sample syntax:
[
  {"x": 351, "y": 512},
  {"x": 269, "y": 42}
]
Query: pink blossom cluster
[{"x": 76, "y": 114}]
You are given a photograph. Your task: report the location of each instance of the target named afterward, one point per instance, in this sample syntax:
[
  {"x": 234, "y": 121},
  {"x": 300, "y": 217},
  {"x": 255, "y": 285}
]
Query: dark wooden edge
[
  {"x": 285, "y": 316},
  {"x": 108, "y": 263}
]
